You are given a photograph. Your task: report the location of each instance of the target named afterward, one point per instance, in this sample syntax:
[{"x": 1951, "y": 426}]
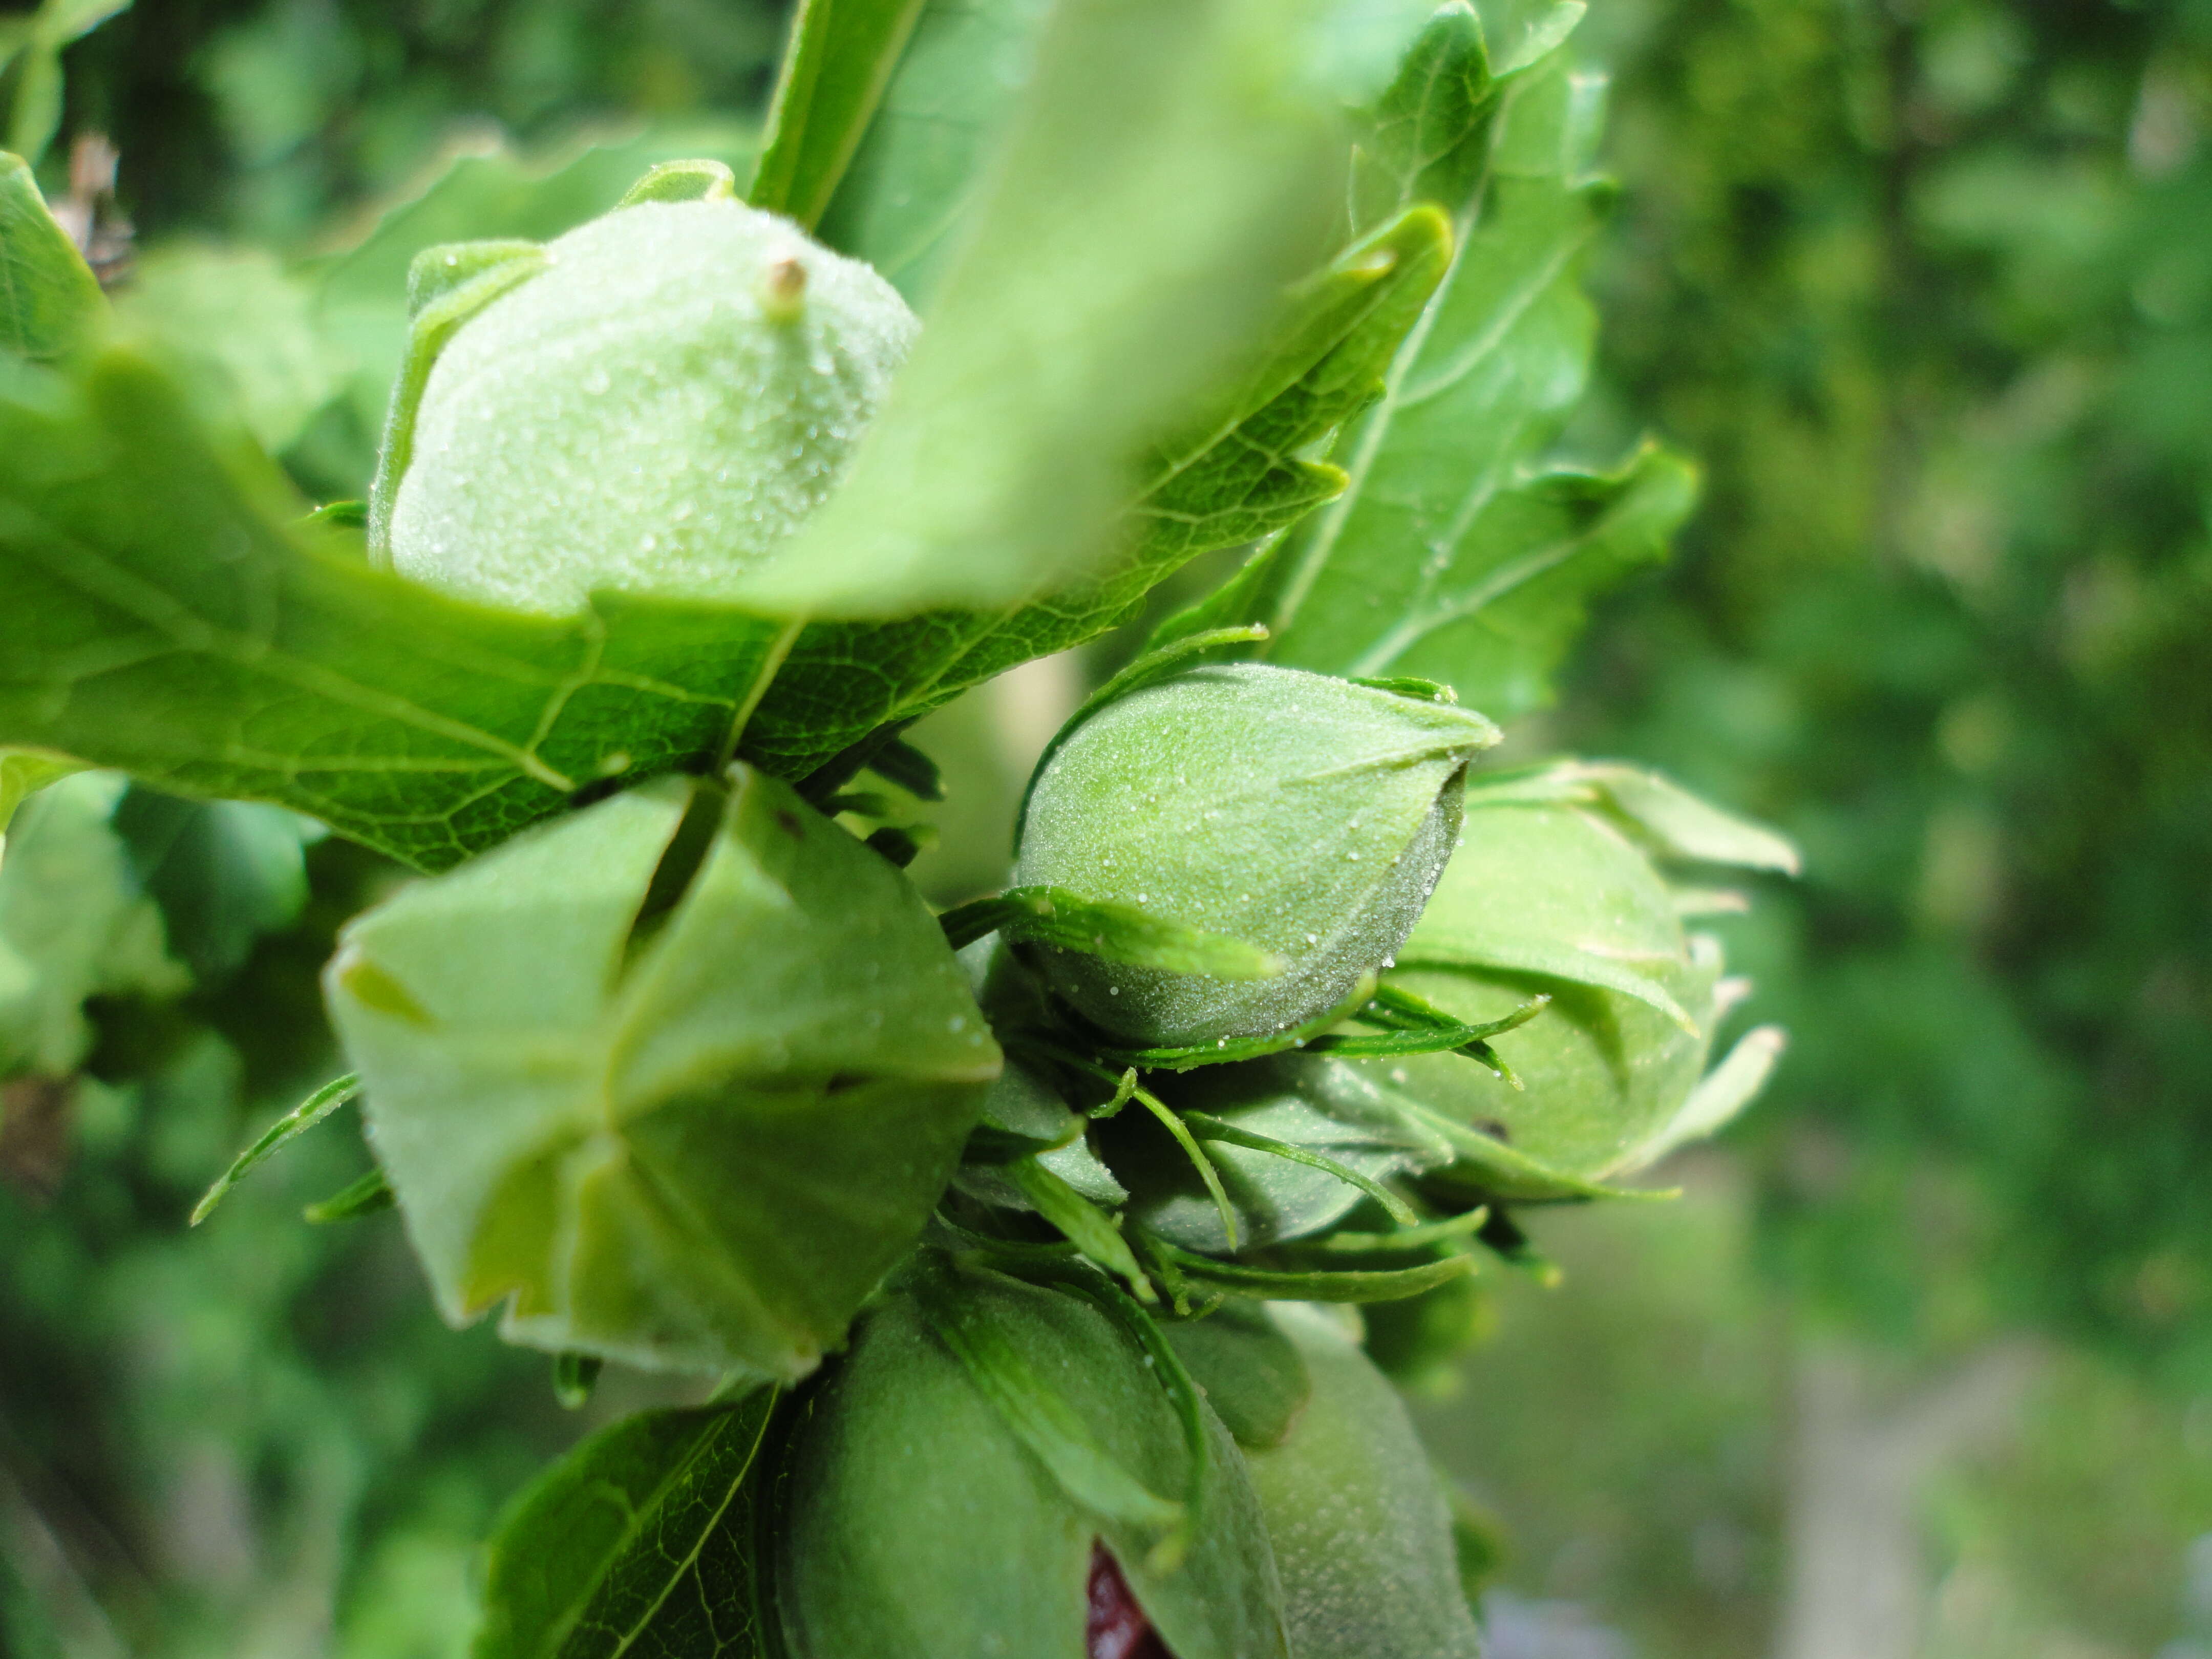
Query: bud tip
[{"x": 783, "y": 289}]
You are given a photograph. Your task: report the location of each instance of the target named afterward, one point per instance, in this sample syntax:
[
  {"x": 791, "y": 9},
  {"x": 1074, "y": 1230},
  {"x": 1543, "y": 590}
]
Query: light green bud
[
  {"x": 1298, "y": 814},
  {"x": 1563, "y": 897},
  {"x": 649, "y": 404},
  {"x": 966, "y": 1470},
  {"x": 1357, "y": 1516},
  {"x": 678, "y": 1077}
]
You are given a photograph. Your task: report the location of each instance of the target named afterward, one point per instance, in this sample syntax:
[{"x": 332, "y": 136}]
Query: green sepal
[
  {"x": 1327, "y": 1285},
  {"x": 446, "y": 286},
  {"x": 367, "y": 1196},
  {"x": 1004, "y": 1461},
  {"x": 338, "y": 1092},
  {"x": 683, "y": 181},
  {"x": 1114, "y": 932}
]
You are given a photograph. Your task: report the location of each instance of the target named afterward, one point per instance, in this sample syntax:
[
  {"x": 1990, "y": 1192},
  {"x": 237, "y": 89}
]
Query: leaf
[
  {"x": 641, "y": 1540},
  {"x": 155, "y": 617},
  {"x": 49, "y": 298},
  {"x": 238, "y": 314},
  {"x": 913, "y": 182},
  {"x": 74, "y": 923},
  {"x": 224, "y": 873},
  {"x": 841, "y": 56},
  {"x": 675, "y": 1079},
  {"x": 23, "y": 773},
  {"x": 1167, "y": 176},
  {"x": 1237, "y": 480},
  {"x": 1445, "y": 557}
]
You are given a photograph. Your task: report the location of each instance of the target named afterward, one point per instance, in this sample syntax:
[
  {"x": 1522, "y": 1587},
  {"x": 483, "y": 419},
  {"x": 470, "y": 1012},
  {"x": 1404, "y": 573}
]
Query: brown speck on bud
[{"x": 783, "y": 291}]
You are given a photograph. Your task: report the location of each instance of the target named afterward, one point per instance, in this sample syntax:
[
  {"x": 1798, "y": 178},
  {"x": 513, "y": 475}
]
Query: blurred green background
[{"x": 1921, "y": 1363}]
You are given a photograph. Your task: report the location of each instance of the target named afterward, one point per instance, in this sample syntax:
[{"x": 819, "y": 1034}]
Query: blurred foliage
[
  {"x": 1929, "y": 288},
  {"x": 1632, "y": 1430}
]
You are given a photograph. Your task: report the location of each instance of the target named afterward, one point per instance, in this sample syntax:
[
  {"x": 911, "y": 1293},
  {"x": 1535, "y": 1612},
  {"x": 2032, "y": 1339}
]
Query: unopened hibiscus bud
[
  {"x": 648, "y": 404},
  {"x": 999, "y": 1467},
  {"x": 1557, "y": 889},
  {"x": 1301, "y": 816}
]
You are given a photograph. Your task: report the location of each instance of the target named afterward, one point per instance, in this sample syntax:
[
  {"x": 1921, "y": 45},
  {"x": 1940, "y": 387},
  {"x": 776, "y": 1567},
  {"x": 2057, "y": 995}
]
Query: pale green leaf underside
[{"x": 1163, "y": 181}]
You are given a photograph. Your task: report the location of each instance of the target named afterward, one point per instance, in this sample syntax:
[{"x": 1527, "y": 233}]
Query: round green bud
[
  {"x": 1361, "y": 1528},
  {"x": 675, "y": 1078},
  {"x": 1557, "y": 900},
  {"x": 674, "y": 389},
  {"x": 1296, "y": 813},
  {"x": 985, "y": 1457}
]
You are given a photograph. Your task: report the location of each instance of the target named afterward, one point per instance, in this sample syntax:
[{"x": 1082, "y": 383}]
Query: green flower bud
[
  {"x": 1357, "y": 1516},
  {"x": 648, "y": 404},
  {"x": 985, "y": 1455},
  {"x": 1295, "y": 813},
  {"x": 678, "y": 1077},
  {"x": 1555, "y": 890}
]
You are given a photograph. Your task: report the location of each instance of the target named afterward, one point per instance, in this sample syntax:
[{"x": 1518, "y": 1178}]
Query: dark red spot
[
  {"x": 789, "y": 820},
  {"x": 1117, "y": 1627}
]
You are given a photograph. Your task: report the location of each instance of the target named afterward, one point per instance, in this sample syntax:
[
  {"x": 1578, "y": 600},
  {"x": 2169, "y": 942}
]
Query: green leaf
[
  {"x": 675, "y": 1079},
  {"x": 23, "y": 773},
  {"x": 74, "y": 923},
  {"x": 641, "y": 1540},
  {"x": 1445, "y": 557},
  {"x": 841, "y": 56},
  {"x": 239, "y": 313},
  {"x": 224, "y": 873},
  {"x": 155, "y": 616},
  {"x": 1238, "y": 478},
  {"x": 49, "y": 298},
  {"x": 1167, "y": 175},
  {"x": 913, "y": 182}
]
